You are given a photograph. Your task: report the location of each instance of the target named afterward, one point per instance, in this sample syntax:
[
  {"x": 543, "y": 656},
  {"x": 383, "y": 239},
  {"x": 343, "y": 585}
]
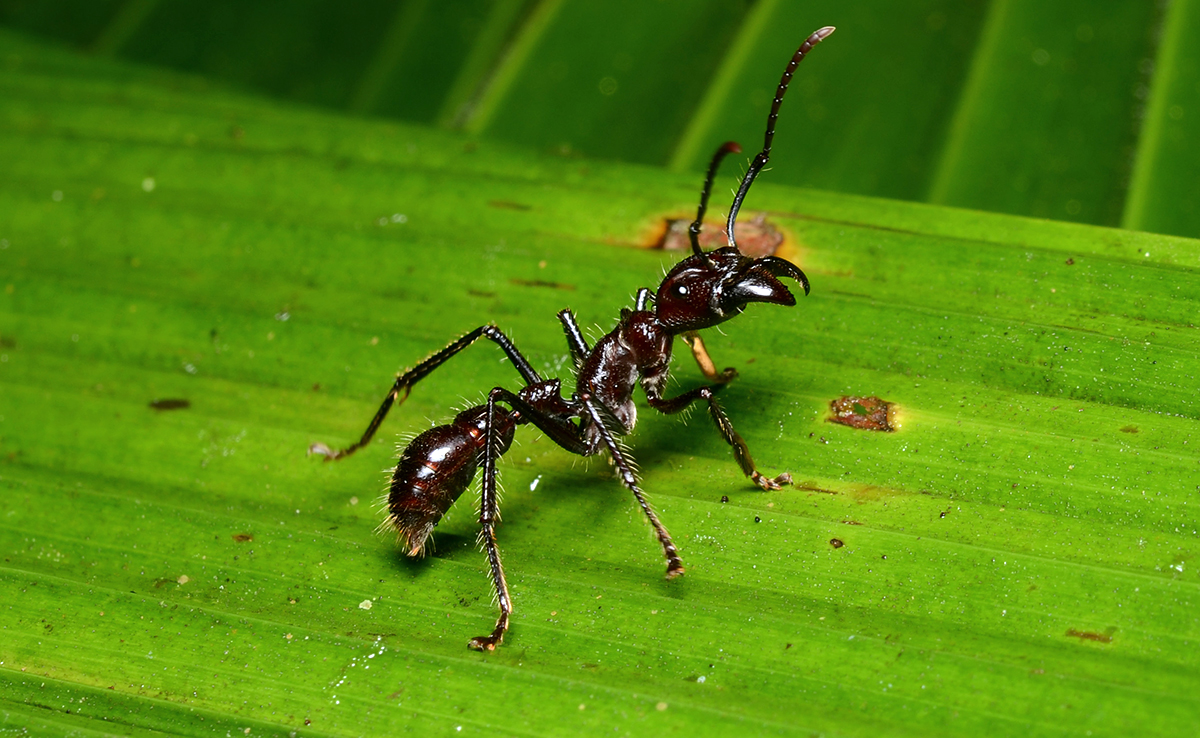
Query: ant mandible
[{"x": 705, "y": 289}]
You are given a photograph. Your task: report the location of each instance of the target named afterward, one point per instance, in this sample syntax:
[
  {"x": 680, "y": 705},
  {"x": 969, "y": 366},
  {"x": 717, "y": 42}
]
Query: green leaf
[
  {"x": 1018, "y": 557},
  {"x": 1069, "y": 110}
]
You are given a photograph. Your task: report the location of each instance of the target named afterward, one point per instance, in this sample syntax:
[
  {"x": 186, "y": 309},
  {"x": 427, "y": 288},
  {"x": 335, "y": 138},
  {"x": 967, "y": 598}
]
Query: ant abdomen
[{"x": 435, "y": 469}]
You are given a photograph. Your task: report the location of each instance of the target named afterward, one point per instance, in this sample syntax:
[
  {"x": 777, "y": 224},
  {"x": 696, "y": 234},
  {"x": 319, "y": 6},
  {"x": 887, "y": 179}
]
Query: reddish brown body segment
[{"x": 433, "y": 472}]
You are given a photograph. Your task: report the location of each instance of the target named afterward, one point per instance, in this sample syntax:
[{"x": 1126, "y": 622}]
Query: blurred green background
[{"x": 1074, "y": 110}]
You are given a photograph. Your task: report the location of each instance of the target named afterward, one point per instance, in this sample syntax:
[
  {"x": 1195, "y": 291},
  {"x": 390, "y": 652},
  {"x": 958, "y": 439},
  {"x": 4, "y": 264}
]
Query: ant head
[{"x": 711, "y": 287}]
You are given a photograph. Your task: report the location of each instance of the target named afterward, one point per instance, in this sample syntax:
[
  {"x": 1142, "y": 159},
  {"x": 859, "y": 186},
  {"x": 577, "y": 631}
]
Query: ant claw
[
  {"x": 674, "y": 571},
  {"x": 321, "y": 449},
  {"x": 483, "y": 643},
  {"x": 769, "y": 484}
]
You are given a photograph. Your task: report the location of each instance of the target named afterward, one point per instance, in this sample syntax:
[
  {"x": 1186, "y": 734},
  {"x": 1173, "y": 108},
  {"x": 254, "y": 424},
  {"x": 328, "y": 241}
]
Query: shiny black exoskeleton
[{"x": 704, "y": 290}]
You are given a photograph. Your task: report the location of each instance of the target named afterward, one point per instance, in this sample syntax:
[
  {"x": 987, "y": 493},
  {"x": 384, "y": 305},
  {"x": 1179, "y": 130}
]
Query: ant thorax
[{"x": 638, "y": 348}]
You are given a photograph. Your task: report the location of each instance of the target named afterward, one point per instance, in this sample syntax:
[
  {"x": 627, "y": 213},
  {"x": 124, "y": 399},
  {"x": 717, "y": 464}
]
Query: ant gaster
[{"x": 703, "y": 290}]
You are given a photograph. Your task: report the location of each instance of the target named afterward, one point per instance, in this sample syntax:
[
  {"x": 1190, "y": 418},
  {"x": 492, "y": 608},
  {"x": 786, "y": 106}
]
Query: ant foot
[
  {"x": 321, "y": 449},
  {"x": 728, "y": 375},
  {"x": 674, "y": 570},
  {"x": 769, "y": 484},
  {"x": 485, "y": 643}
]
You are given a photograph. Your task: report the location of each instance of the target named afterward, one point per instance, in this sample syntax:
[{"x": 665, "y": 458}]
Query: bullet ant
[{"x": 704, "y": 290}]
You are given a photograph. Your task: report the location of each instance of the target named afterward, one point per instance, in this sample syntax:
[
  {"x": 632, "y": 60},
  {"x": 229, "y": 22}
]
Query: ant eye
[{"x": 681, "y": 290}]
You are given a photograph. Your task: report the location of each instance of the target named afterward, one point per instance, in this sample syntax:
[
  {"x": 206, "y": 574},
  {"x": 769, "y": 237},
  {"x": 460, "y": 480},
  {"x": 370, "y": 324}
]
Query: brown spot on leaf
[
  {"x": 836, "y": 542},
  {"x": 812, "y": 487},
  {"x": 1069, "y": 261},
  {"x": 755, "y": 237},
  {"x": 1130, "y": 429},
  {"x": 864, "y": 413},
  {"x": 171, "y": 403},
  {"x": 8, "y": 342},
  {"x": 508, "y": 205},
  {"x": 242, "y": 537},
  {"x": 1088, "y": 635},
  {"x": 542, "y": 283}
]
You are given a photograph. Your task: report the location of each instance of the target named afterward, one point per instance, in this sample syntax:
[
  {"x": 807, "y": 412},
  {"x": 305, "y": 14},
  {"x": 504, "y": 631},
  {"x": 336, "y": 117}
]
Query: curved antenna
[
  {"x": 764, "y": 156},
  {"x": 729, "y": 147}
]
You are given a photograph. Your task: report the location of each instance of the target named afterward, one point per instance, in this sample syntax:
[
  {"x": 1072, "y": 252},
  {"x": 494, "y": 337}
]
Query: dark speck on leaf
[
  {"x": 836, "y": 542},
  {"x": 1087, "y": 635},
  {"x": 242, "y": 537},
  {"x": 508, "y": 205},
  {"x": 170, "y": 404},
  {"x": 542, "y": 283}
]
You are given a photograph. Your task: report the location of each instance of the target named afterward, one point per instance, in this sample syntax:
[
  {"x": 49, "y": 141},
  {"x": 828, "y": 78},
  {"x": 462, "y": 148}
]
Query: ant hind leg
[{"x": 405, "y": 382}]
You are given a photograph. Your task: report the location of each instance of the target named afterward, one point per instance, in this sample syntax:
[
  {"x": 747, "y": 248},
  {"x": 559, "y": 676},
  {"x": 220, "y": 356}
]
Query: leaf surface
[{"x": 1019, "y": 557}]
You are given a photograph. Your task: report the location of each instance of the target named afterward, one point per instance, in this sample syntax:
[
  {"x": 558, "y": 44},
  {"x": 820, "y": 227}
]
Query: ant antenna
[
  {"x": 764, "y": 156},
  {"x": 729, "y": 147}
]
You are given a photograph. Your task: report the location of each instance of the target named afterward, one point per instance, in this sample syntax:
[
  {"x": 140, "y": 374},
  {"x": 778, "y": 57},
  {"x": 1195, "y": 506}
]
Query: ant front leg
[
  {"x": 404, "y": 383},
  {"x": 705, "y": 362},
  {"x": 602, "y": 419},
  {"x": 741, "y": 451}
]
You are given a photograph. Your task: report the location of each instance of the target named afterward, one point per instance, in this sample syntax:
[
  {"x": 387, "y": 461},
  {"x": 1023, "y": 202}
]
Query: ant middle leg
[
  {"x": 576, "y": 343},
  {"x": 741, "y": 451},
  {"x": 405, "y": 382}
]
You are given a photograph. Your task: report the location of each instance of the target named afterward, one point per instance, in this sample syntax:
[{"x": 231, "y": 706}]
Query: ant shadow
[{"x": 577, "y": 520}]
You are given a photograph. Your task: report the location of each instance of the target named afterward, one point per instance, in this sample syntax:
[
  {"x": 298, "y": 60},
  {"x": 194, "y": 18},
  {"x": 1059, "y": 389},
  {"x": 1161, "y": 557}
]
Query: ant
[{"x": 704, "y": 290}]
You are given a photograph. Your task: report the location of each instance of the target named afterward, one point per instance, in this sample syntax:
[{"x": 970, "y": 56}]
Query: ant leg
[
  {"x": 741, "y": 451},
  {"x": 547, "y": 415},
  {"x": 404, "y": 382},
  {"x": 489, "y": 513},
  {"x": 705, "y": 362},
  {"x": 629, "y": 479},
  {"x": 576, "y": 343},
  {"x": 562, "y": 432}
]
